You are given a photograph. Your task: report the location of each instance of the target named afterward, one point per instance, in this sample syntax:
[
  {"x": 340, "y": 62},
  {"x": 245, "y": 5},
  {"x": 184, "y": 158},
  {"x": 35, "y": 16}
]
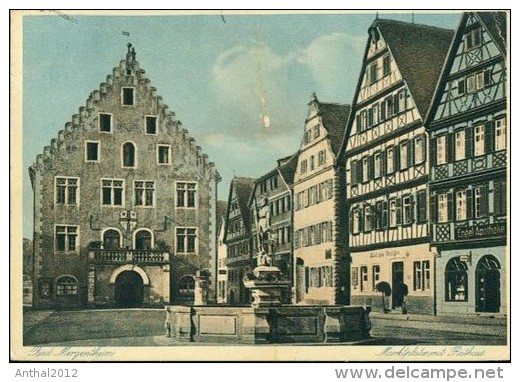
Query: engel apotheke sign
[{"x": 482, "y": 231}]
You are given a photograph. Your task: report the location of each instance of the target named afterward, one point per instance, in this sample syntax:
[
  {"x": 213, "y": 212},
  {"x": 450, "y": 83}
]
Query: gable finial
[
  {"x": 377, "y": 15},
  {"x": 130, "y": 55}
]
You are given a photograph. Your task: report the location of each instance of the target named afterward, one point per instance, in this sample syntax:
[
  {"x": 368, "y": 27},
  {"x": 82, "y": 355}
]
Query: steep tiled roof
[
  {"x": 243, "y": 188},
  {"x": 287, "y": 167},
  {"x": 496, "y": 25},
  {"x": 334, "y": 118},
  {"x": 419, "y": 51}
]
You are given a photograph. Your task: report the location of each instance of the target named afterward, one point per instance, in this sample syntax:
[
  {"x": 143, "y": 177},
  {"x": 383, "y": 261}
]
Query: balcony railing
[{"x": 125, "y": 256}]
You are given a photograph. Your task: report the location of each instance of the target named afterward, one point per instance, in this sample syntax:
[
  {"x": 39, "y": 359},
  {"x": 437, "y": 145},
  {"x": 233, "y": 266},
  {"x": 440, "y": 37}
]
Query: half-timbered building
[
  {"x": 238, "y": 240},
  {"x": 387, "y": 165},
  {"x": 468, "y": 188},
  {"x": 320, "y": 256}
]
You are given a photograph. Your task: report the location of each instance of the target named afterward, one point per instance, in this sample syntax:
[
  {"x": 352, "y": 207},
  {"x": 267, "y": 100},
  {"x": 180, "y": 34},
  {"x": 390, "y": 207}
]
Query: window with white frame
[
  {"x": 322, "y": 157},
  {"x": 368, "y": 218},
  {"x": 441, "y": 150},
  {"x": 377, "y": 165},
  {"x": 386, "y": 65},
  {"x": 470, "y": 84},
  {"x": 364, "y": 278},
  {"x": 151, "y": 124},
  {"x": 421, "y": 280},
  {"x": 112, "y": 192},
  {"x": 355, "y": 221},
  {"x": 480, "y": 201},
  {"x": 163, "y": 154},
  {"x": 303, "y": 166},
  {"x": 127, "y": 96},
  {"x": 407, "y": 210},
  {"x": 316, "y": 131},
  {"x": 419, "y": 148},
  {"x": 66, "y": 190},
  {"x": 66, "y": 238},
  {"x": 186, "y": 194},
  {"x": 500, "y": 134},
  {"x": 311, "y": 161},
  {"x": 403, "y": 155},
  {"x": 105, "y": 122},
  {"x": 376, "y": 275},
  {"x": 390, "y": 160},
  {"x": 373, "y": 72},
  {"x": 460, "y": 205},
  {"x": 91, "y": 151},
  {"x": 442, "y": 206},
  {"x": 472, "y": 39},
  {"x": 460, "y": 145},
  {"x": 365, "y": 169},
  {"x": 144, "y": 193},
  {"x": 66, "y": 286},
  {"x": 393, "y": 213},
  {"x": 186, "y": 240},
  {"x": 478, "y": 140}
]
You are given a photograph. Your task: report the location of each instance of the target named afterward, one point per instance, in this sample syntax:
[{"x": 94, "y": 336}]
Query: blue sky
[{"x": 221, "y": 76}]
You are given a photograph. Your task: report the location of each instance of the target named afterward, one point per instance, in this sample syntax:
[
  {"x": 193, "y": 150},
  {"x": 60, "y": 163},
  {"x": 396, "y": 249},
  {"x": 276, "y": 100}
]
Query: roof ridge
[{"x": 412, "y": 24}]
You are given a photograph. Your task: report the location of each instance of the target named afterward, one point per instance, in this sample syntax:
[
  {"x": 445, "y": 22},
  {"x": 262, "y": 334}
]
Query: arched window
[
  {"x": 128, "y": 154},
  {"x": 143, "y": 240},
  {"x": 456, "y": 279},
  {"x": 186, "y": 286},
  {"x": 111, "y": 239},
  {"x": 66, "y": 286},
  {"x": 488, "y": 285}
]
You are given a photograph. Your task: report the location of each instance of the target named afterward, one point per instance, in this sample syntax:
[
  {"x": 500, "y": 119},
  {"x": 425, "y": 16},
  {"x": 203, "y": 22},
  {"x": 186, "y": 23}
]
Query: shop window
[{"x": 456, "y": 280}]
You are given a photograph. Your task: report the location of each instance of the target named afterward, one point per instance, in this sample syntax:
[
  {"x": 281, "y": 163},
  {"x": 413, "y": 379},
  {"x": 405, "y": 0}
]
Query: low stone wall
[{"x": 284, "y": 324}]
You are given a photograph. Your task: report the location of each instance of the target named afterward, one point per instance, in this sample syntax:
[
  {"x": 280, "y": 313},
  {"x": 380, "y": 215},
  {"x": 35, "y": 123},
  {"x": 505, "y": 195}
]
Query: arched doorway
[
  {"x": 128, "y": 290},
  {"x": 143, "y": 240},
  {"x": 488, "y": 285},
  {"x": 111, "y": 239}
]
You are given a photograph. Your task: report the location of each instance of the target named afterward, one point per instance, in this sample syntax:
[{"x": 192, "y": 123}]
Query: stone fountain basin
[{"x": 267, "y": 325}]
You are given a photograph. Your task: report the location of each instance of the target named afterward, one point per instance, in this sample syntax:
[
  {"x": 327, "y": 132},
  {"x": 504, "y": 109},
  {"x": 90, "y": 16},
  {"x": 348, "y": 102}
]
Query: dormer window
[
  {"x": 473, "y": 39},
  {"x": 127, "y": 96}
]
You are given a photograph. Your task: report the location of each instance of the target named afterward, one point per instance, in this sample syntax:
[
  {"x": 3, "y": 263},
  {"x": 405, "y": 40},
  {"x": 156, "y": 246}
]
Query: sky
[{"x": 239, "y": 83}]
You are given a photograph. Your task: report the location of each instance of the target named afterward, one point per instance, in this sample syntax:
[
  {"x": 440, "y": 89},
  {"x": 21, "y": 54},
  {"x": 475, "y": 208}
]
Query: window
[
  {"x": 128, "y": 154},
  {"x": 407, "y": 210},
  {"x": 66, "y": 286},
  {"x": 379, "y": 214},
  {"x": 186, "y": 194},
  {"x": 111, "y": 239},
  {"x": 364, "y": 278},
  {"x": 373, "y": 72},
  {"x": 390, "y": 160},
  {"x": 500, "y": 134},
  {"x": 355, "y": 221},
  {"x": 386, "y": 65},
  {"x": 478, "y": 140},
  {"x": 377, "y": 165},
  {"x": 187, "y": 286},
  {"x": 419, "y": 149},
  {"x": 368, "y": 218},
  {"x": 421, "y": 271},
  {"x": 389, "y": 106},
  {"x": 479, "y": 80},
  {"x": 312, "y": 162},
  {"x": 112, "y": 192},
  {"x": 480, "y": 207},
  {"x": 303, "y": 166},
  {"x": 144, "y": 192},
  {"x": 461, "y": 87},
  {"x": 316, "y": 131},
  {"x": 127, "y": 96},
  {"x": 403, "y": 155},
  {"x": 322, "y": 157},
  {"x": 442, "y": 206},
  {"x": 151, "y": 124},
  {"x": 91, "y": 151},
  {"x": 393, "y": 213},
  {"x": 365, "y": 169},
  {"x": 472, "y": 39},
  {"x": 460, "y": 205},
  {"x": 402, "y": 101},
  {"x": 441, "y": 150},
  {"x": 66, "y": 190},
  {"x": 163, "y": 154},
  {"x": 460, "y": 145},
  {"x": 105, "y": 122},
  {"x": 66, "y": 238},
  {"x": 186, "y": 240},
  {"x": 376, "y": 275},
  {"x": 470, "y": 84},
  {"x": 375, "y": 114},
  {"x": 456, "y": 279}
]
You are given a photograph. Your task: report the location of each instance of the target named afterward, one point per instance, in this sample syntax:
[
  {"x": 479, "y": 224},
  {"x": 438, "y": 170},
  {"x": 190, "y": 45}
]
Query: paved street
[{"x": 144, "y": 327}]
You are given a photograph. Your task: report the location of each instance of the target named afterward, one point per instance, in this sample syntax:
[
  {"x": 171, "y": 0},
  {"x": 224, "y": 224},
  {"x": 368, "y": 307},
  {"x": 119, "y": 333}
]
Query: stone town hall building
[{"x": 124, "y": 202}]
